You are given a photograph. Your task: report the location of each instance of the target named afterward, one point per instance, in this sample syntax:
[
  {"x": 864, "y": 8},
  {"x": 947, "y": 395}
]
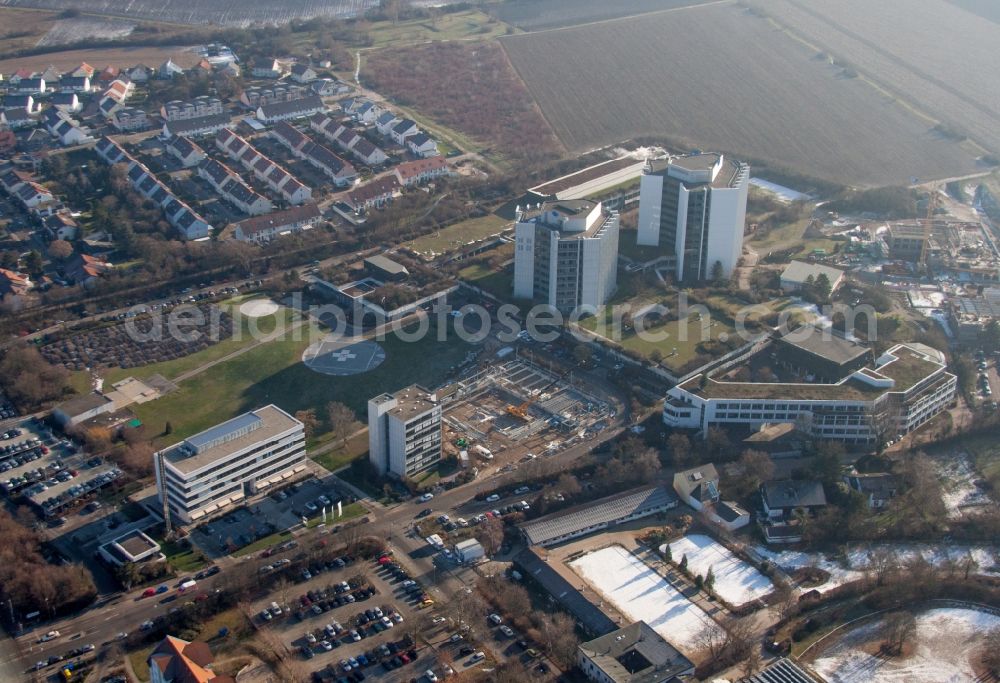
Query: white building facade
[
  {"x": 210, "y": 472},
  {"x": 566, "y": 255},
  {"x": 696, "y": 206},
  {"x": 404, "y": 432}
]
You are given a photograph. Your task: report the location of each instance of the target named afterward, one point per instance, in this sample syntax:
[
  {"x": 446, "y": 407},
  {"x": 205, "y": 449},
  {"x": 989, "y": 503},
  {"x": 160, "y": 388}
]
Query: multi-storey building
[
  {"x": 404, "y": 432},
  {"x": 204, "y": 105},
  {"x": 904, "y": 388},
  {"x": 695, "y": 206},
  {"x": 567, "y": 254},
  {"x": 222, "y": 466}
]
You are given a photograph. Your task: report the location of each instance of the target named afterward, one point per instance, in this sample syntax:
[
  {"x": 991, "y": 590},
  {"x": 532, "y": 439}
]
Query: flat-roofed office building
[
  {"x": 211, "y": 471},
  {"x": 404, "y": 431}
]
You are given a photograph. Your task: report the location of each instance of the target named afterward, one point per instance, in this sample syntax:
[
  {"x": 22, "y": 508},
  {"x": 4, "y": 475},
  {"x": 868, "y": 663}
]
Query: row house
[
  {"x": 26, "y": 102},
  {"x": 374, "y": 194},
  {"x": 403, "y": 130},
  {"x": 329, "y": 87},
  {"x": 290, "y": 109},
  {"x": 303, "y": 73},
  {"x": 263, "y": 229},
  {"x": 75, "y": 84},
  {"x": 421, "y": 171},
  {"x": 67, "y": 101},
  {"x": 268, "y": 69},
  {"x": 129, "y": 119},
  {"x": 62, "y": 127},
  {"x": 361, "y": 110},
  {"x": 422, "y": 145},
  {"x": 254, "y": 97},
  {"x": 303, "y": 147},
  {"x": 232, "y": 188},
  {"x": 30, "y": 86},
  {"x": 205, "y": 105},
  {"x": 188, "y": 223},
  {"x": 265, "y": 170},
  {"x": 188, "y": 153},
  {"x": 61, "y": 226},
  {"x": 17, "y": 119},
  {"x": 202, "y": 125},
  {"x": 348, "y": 140},
  {"x": 385, "y": 122}
]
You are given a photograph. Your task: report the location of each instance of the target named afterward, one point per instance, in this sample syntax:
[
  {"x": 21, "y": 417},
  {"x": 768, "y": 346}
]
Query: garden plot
[
  {"x": 856, "y": 559},
  {"x": 737, "y": 582},
  {"x": 639, "y": 593},
  {"x": 959, "y": 489},
  {"x": 948, "y": 642}
]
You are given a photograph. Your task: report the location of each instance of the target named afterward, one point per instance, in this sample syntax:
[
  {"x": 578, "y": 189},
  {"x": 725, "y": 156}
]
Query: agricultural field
[
  {"x": 535, "y": 15},
  {"x": 468, "y": 25},
  {"x": 23, "y": 28},
  {"x": 719, "y": 77},
  {"x": 221, "y": 13},
  {"x": 117, "y": 56},
  {"x": 469, "y": 87},
  {"x": 931, "y": 54},
  {"x": 69, "y": 31}
]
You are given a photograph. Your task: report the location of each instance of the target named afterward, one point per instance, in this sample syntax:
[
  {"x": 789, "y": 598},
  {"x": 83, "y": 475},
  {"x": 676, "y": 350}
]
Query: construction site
[{"x": 517, "y": 405}]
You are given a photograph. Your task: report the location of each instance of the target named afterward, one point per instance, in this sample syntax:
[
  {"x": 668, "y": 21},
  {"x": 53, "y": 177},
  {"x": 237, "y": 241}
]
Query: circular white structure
[
  {"x": 339, "y": 357},
  {"x": 258, "y": 308}
]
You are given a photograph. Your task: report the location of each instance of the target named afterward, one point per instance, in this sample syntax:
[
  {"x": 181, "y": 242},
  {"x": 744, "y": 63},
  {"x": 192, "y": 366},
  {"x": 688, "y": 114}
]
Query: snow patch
[
  {"x": 958, "y": 489},
  {"x": 736, "y": 581},
  {"x": 639, "y": 593},
  {"x": 948, "y": 641}
]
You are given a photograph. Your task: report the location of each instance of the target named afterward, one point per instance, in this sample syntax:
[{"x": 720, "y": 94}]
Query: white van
[{"x": 187, "y": 585}]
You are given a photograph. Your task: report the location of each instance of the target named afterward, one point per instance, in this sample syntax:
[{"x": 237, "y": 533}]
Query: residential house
[
  {"x": 202, "y": 68},
  {"x": 84, "y": 70},
  {"x": 69, "y": 102},
  {"x": 265, "y": 170},
  {"x": 129, "y": 119},
  {"x": 168, "y": 70},
  {"x": 32, "y": 195},
  {"x": 107, "y": 106},
  {"x": 291, "y": 109},
  {"x": 20, "y": 75},
  {"x": 232, "y": 69},
  {"x": 368, "y": 153},
  {"x": 227, "y": 183},
  {"x": 13, "y": 285},
  {"x": 878, "y": 488},
  {"x": 267, "y": 69},
  {"x": 263, "y": 229},
  {"x": 422, "y": 145},
  {"x": 367, "y": 113},
  {"x": 17, "y": 119},
  {"x": 180, "y": 661},
  {"x": 26, "y": 102},
  {"x": 303, "y": 147},
  {"x": 51, "y": 75},
  {"x": 30, "y": 86},
  {"x": 74, "y": 84},
  {"x": 110, "y": 151},
  {"x": 303, "y": 73},
  {"x": 139, "y": 73},
  {"x": 119, "y": 90},
  {"x": 421, "y": 170},
  {"x": 783, "y": 503},
  {"x": 204, "y": 105},
  {"x": 188, "y": 153},
  {"x": 254, "y": 97},
  {"x": 109, "y": 74},
  {"x": 69, "y": 132},
  {"x": 329, "y": 87},
  {"x": 385, "y": 122},
  {"x": 633, "y": 654},
  {"x": 374, "y": 194},
  {"x": 203, "y": 125},
  {"x": 61, "y": 226},
  {"x": 698, "y": 486},
  {"x": 84, "y": 269},
  {"x": 403, "y": 130}
]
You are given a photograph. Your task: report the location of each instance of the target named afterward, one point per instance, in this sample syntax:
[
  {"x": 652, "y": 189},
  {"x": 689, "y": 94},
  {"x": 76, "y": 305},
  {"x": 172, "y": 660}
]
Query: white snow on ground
[
  {"x": 958, "y": 490},
  {"x": 857, "y": 559},
  {"x": 948, "y": 640},
  {"x": 258, "y": 308},
  {"x": 736, "y": 581},
  {"x": 785, "y": 194},
  {"x": 640, "y": 593}
]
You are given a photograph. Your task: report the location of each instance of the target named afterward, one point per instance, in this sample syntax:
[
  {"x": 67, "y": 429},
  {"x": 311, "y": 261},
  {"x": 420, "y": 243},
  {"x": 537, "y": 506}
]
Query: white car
[
  {"x": 492, "y": 498},
  {"x": 51, "y": 635},
  {"x": 438, "y": 620},
  {"x": 425, "y": 498},
  {"x": 327, "y": 645},
  {"x": 310, "y": 638},
  {"x": 477, "y": 657},
  {"x": 495, "y": 619},
  {"x": 431, "y": 676},
  {"x": 506, "y": 630}
]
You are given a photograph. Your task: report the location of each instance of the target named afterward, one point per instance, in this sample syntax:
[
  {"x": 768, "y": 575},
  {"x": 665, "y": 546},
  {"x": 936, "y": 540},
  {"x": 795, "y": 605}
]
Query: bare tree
[
  {"x": 898, "y": 628},
  {"x": 342, "y": 420},
  {"x": 882, "y": 564},
  {"x": 490, "y": 535}
]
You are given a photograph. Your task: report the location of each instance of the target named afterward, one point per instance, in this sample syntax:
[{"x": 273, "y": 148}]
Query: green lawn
[
  {"x": 458, "y": 235},
  {"x": 676, "y": 351},
  {"x": 499, "y": 284},
  {"x": 334, "y": 459},
  {"x": 138, "y": 660},
  {"x": 261, "y": 543},
  {"x": 789, "y": 236},
  {"x": 350, "y": 511},
  {"x": 273, "y": 373},
  {"x": 458, "y": 26},
  {"x": 181, "y": 559}
]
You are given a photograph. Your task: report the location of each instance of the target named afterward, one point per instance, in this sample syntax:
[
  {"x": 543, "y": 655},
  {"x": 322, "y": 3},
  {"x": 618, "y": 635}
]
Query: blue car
[{"x": 162, "y": 589}]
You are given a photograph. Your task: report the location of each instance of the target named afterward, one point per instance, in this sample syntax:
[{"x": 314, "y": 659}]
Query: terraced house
[
  {"x": 207, "y": 473},
  {"x": 904, "y": 388}
]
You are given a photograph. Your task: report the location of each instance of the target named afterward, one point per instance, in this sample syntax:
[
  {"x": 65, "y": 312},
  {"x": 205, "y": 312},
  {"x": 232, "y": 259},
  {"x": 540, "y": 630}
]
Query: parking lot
[
  {"x": 279, "y": 511},
  {"x": 53, "y": 474},
  {"x": 355, "y": 619}
]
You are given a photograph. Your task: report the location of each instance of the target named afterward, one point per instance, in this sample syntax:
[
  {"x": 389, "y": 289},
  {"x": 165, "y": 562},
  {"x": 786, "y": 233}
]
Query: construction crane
[
  {"x": 521, "y": 411},
  {"x": 933, "y": 200}
]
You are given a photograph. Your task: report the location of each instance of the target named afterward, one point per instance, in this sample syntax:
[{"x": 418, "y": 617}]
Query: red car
[{"x": 149, "y": 592}]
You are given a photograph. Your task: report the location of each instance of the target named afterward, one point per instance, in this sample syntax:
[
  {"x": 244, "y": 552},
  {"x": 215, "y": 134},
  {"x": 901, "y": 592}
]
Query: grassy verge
[
  {"x": 183, "y": 559},
  {"x": 261, "y": 543},
  {"x": 498, "y": 283},
  {"x": 349, "y": 512},
  {"x": 333, "y": 460},
  {"x": 138, "y": 661}
]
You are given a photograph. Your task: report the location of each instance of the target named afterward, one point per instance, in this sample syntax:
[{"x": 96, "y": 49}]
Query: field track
[{"x": 718, "y": 77}]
